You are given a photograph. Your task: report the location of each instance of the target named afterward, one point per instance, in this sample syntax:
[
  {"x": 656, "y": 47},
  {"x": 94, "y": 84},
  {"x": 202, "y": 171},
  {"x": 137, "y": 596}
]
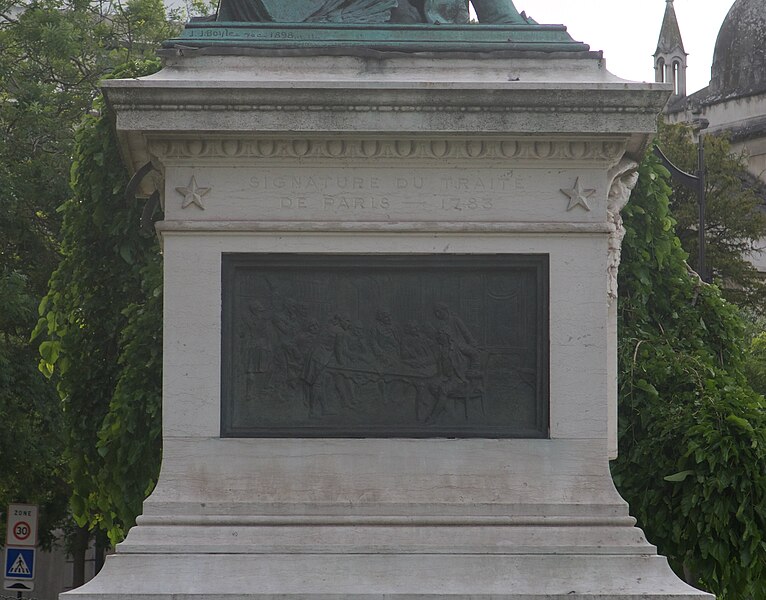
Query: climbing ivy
[
  {"x": 99, "y": 330},
  {"x": 692, "y": 432},
  {"x": 129, "y": 440}
]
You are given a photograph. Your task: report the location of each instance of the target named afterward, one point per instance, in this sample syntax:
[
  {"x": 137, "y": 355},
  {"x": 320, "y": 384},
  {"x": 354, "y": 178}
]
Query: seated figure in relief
[{"x": 368, "y": 11}]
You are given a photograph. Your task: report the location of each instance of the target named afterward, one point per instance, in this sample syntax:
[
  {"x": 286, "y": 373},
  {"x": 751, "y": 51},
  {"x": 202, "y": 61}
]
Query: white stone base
[
  {"x": 400, "y": 576},
  {"x": 405, "y": 519}
]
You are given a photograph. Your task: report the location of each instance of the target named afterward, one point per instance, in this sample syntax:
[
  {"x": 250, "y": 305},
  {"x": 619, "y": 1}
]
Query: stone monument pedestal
[{"x": 364, "y": 155}]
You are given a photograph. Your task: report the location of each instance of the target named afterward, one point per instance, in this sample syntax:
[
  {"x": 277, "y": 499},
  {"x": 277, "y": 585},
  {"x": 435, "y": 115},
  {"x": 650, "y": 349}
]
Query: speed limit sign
[
  {"x": 22, "y": 525},
  {"x": 21, "y": 531}
]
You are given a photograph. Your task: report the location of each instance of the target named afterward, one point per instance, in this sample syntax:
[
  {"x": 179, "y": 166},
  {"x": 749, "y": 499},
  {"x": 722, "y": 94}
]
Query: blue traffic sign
[{"x": 20, "y": 563}]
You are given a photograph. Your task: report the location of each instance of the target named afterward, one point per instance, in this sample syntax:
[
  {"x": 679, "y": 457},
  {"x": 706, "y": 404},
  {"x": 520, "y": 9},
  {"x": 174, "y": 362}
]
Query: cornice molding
[
  {"x": 586, "y": 108},
  {"x": 188, "y": 227}
]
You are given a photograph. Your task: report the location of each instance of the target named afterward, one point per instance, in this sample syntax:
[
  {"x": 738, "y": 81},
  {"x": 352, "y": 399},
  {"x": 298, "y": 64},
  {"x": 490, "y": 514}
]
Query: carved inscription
[
  {"x": 335, "y": 194},
  {"x": 387, "y": 346},
  {"x": 252, "y": 34}
]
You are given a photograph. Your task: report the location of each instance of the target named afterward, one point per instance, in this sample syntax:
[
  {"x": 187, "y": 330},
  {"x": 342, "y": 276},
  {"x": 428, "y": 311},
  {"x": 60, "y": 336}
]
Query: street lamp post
[
  {"x": 701, "y": 206},
  {"x": 694, "y": 182}
]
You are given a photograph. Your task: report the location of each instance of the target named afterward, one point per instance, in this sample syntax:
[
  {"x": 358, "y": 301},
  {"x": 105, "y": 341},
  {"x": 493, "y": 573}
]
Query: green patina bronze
[
  {"x": 400, "y": 25},
  {"x": 404, "y": 38},
  {"x": 306, "y": 11},
  {"x": 367, "y": 11}
]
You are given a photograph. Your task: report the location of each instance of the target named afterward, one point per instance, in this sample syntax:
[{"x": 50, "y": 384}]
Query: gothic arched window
[{"x": 661, "y": 70}]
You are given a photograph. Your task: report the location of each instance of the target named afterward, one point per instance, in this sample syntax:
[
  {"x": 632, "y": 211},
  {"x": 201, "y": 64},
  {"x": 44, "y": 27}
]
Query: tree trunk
[
  {"x": 102, "y": 545},
  {"x": 79, "y": 548}
]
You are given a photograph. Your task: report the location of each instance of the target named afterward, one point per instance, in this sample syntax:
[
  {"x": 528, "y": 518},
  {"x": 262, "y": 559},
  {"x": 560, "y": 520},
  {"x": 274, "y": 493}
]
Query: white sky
[{"x": 627, "y": 31}]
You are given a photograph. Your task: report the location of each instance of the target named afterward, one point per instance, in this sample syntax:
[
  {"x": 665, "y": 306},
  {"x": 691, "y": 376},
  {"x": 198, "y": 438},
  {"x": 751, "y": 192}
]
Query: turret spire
[{"x": 670, "y": 56}]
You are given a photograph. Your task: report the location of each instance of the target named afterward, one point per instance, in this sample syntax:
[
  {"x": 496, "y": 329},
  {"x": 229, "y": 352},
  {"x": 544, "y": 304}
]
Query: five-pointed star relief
[
  {"x": 192, "y": 194},
  {"x": 578, "y": 196}
]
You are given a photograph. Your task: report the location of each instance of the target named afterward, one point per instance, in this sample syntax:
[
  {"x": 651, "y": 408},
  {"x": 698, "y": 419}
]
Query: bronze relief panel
[{"x": 385, "y": 346}]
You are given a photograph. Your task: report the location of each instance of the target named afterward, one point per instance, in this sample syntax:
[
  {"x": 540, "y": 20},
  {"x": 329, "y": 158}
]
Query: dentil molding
[{"x": 608, "y": 151}]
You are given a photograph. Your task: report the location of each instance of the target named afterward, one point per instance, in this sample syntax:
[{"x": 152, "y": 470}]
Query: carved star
[
  {"x": 578, "y": 196},
  {"x": 192, "y": 194}
]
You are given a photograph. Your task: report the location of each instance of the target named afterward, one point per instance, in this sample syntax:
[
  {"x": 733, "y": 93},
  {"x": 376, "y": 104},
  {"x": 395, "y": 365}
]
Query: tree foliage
[
  {"x": 53, "y": 53},
  {"x": 692, "y": 432},
  {"x": 735, "y": 220},
  {"x": 31, "y": 468},
  {"x": 40, "y": 100},
  {"x": 99, "y": 330}
]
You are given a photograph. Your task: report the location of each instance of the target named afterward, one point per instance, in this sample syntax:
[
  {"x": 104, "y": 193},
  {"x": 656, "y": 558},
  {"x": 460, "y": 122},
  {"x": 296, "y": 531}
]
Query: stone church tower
[{"x": 670, "y": 56}]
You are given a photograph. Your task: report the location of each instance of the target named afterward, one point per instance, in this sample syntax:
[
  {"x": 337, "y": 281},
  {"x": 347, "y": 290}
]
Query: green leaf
[
  {"x": 126, "y": 253},
  {"x": 739, "y": 422},
  {"x": 678, "y": 477}
]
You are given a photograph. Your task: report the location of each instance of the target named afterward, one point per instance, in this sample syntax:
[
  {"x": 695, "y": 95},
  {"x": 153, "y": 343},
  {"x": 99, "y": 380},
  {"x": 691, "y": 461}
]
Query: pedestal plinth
[{"x": 328, "y": 435}]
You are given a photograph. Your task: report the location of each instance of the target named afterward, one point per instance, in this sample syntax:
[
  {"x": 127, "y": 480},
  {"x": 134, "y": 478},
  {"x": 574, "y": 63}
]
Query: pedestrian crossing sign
[{"x": 20, "y": 563}]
